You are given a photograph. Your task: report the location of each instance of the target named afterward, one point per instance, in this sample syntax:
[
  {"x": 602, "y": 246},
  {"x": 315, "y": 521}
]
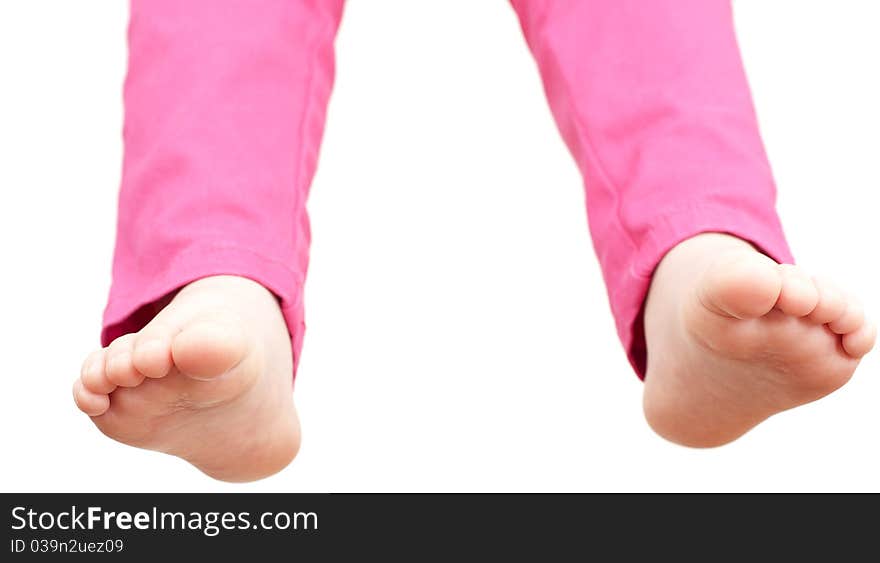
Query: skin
[
  {"x": 209, "y": 380},
  {"x": 733, "y": 338}
]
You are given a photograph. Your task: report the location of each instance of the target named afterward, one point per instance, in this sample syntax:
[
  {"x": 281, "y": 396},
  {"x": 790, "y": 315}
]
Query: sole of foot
[
  {"x": 734, "y": 338},
  {"x": 208, "y": 380}
]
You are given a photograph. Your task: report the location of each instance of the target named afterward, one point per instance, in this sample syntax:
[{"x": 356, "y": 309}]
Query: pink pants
[{"x": 225, "y": 103}]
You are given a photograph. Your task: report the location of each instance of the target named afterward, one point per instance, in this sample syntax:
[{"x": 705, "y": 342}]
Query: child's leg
[
  {"x": 652, "y": 99},
  {"x": 225, "y": 103}
]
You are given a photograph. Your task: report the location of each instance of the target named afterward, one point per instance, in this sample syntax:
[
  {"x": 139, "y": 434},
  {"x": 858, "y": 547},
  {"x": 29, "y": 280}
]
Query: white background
[{"x": 462, "y": 341}]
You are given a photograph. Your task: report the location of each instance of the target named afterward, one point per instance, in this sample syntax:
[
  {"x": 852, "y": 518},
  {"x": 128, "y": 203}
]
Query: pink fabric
[
  {"x": 652, "y": 100},
  {"x": 225, "y": 104},
  {"x": 224, "y": 112}
]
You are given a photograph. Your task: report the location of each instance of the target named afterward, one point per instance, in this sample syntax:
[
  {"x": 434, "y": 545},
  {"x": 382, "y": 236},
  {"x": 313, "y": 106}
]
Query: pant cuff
[
  {"x": 135, "y": 298},
  {"x": 763, "y": 230}
]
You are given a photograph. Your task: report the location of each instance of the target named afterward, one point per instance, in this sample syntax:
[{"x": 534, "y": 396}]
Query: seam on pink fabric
[
  {"x": 201, "y": 249},
  {"x": 721, "y": 218},
  {"x": 308, "y": 105},
  {"x": 668, "y": 229},
  {"x": 269, "y": 273},
  {"x": 578, "y": 120},
  {"x": 593, "y": 155}
]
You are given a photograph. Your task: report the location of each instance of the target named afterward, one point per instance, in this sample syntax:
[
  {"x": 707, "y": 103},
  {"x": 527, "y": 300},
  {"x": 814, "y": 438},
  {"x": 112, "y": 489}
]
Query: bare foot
[
  {"x": 734, "y": 338},
  {"x": 208, "y": 380}
]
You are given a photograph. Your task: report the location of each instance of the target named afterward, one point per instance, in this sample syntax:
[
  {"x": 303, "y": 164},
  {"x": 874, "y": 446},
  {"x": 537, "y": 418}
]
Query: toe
[
  {"x": 832, "y": 302},
  {"x": 852, "y": 318},
  {"x": 799, "y": 295},
  {"x": 93, "y": 404},
  {"x": 208, "y": 349},
  {"x": 742, "y": 285},
  {"x": 118, "y": 365},
  {"x": 94, "y": 376},
  {"x": 151, "y": 351},
  {"x": 860, "y": 342}
]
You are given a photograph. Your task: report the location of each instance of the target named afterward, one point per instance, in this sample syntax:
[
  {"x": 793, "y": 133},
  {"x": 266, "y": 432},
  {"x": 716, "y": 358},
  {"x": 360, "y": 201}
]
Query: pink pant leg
[
  {"x": 652, "y": 99},
  {"x": 224, "y": 111}
]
